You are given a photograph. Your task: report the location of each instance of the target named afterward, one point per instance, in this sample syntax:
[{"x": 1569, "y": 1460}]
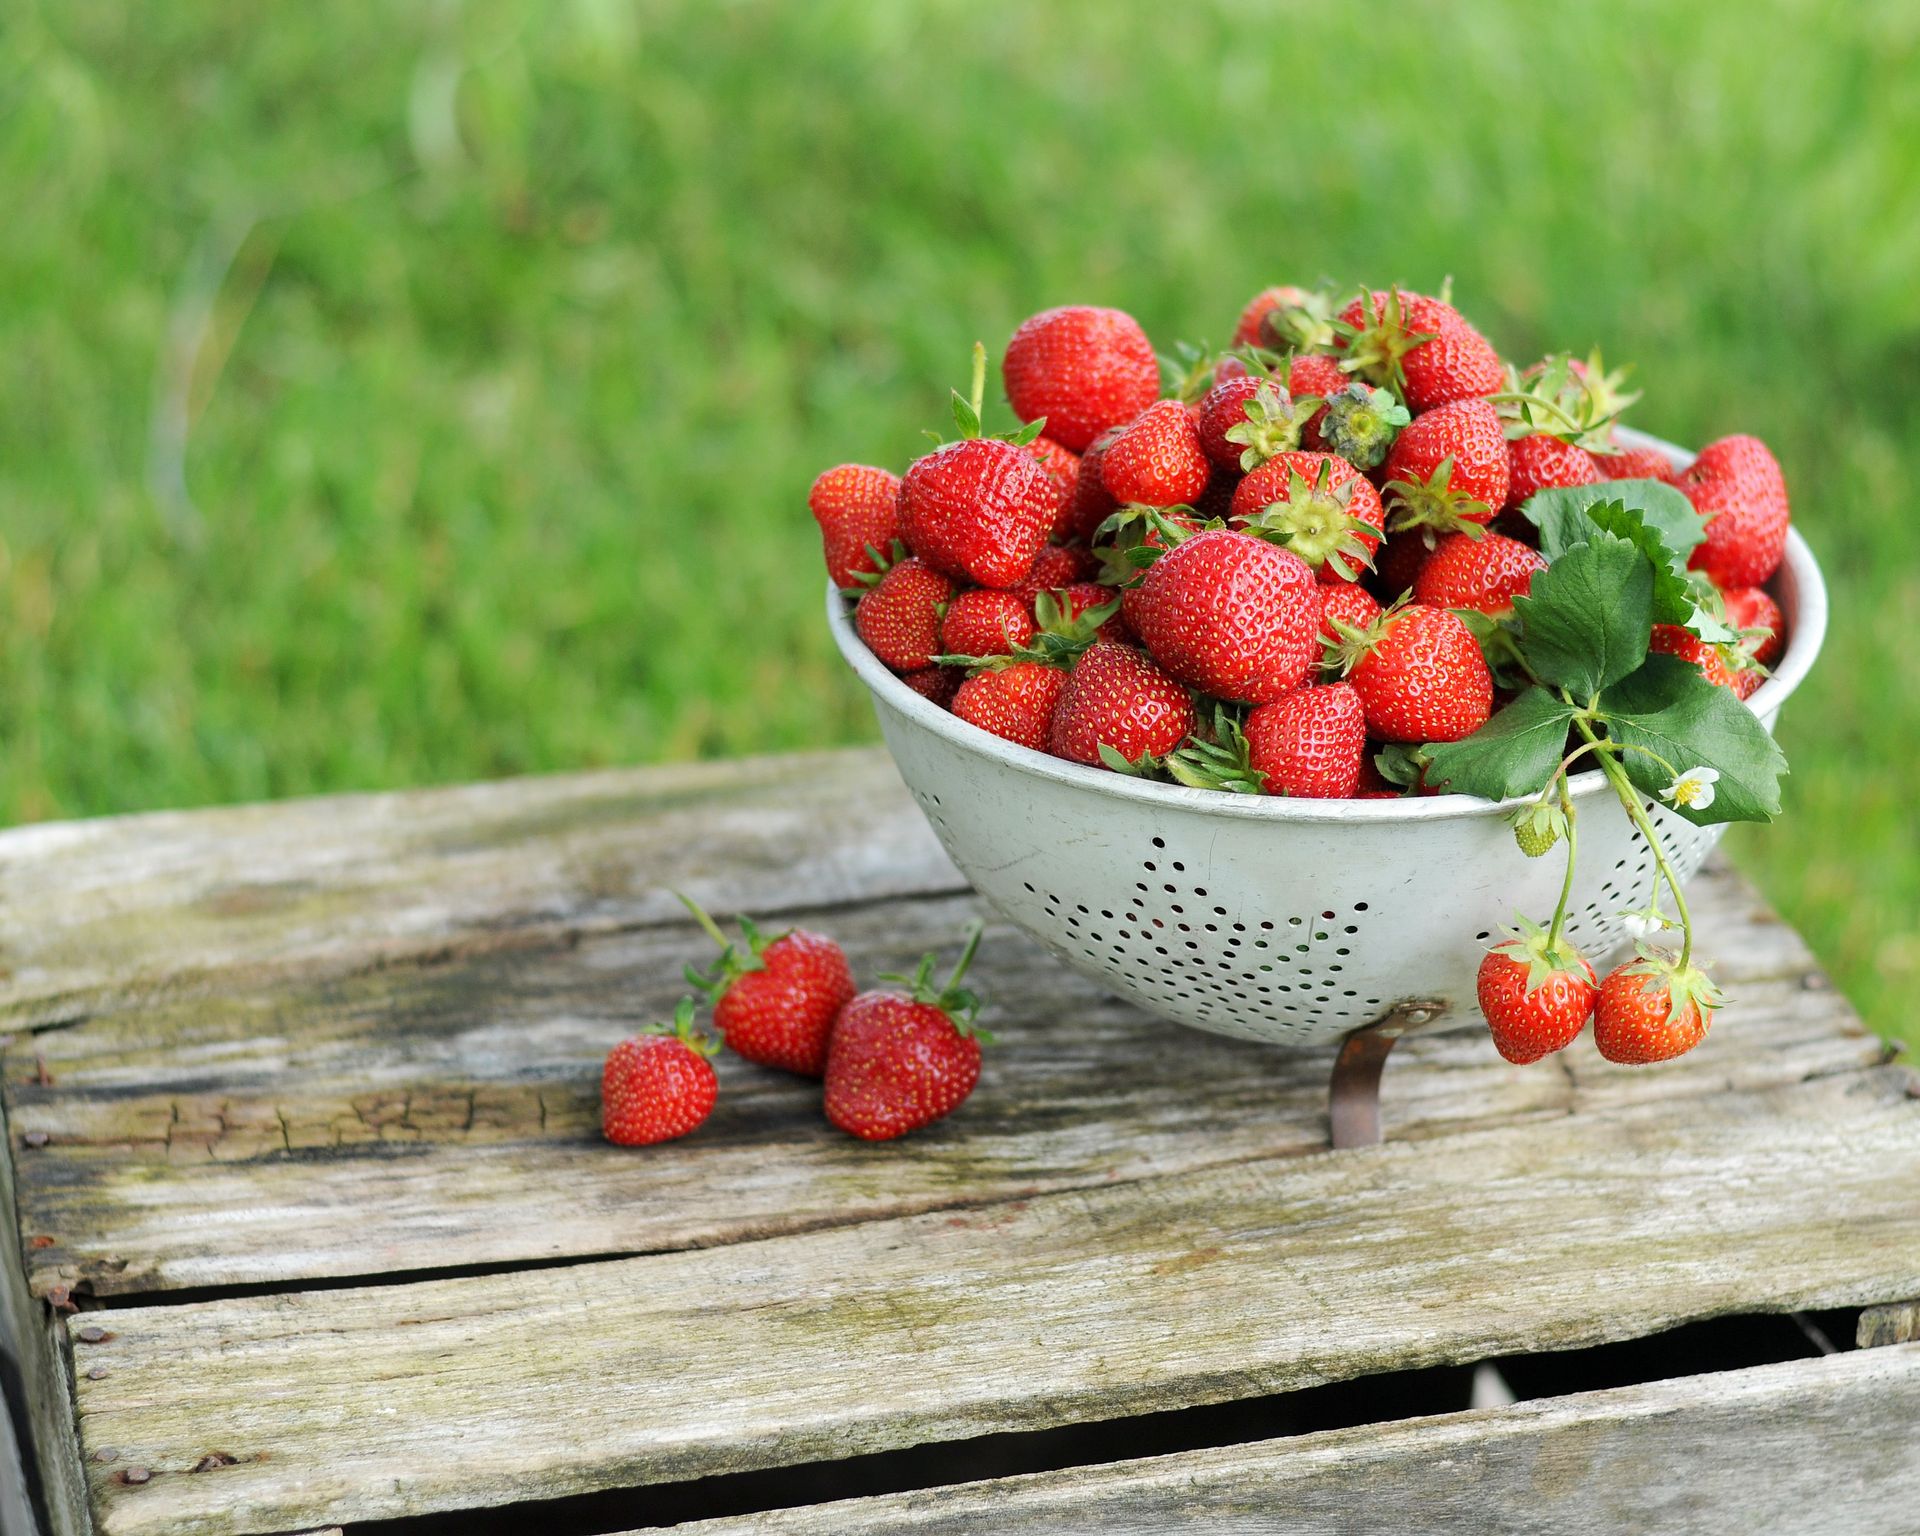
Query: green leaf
[
  {"x": 1514, "y": 753},
  {"x": 965, "y": 417},
  {"x": 1561, "y": 514},
  {"x": 1589, "y": 615},
  {"x": 1668, "y": 708},
  {"x": 1672, "y": 593}
]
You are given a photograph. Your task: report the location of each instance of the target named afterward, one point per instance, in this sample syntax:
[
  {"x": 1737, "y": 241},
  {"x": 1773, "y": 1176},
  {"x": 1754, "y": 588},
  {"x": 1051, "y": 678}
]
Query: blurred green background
[{"x": 391, "y": 395}]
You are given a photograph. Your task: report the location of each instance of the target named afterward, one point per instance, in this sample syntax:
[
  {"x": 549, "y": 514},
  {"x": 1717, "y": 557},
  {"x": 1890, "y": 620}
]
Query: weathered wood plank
[
  {"x": 367, "y": 1403},
  {"x": 1896, "y": 1323},
  {"x": 422, "y": 1117},
  {"x": 101, "y": 914},
  {"x": 1807, "y": 1448}
]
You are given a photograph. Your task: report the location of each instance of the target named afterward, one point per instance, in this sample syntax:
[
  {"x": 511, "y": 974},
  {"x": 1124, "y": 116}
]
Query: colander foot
[{"x": 1353, "y": 1091}]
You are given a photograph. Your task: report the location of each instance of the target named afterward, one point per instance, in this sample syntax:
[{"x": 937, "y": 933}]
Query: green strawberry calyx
[
  {"x": 1544, "y": 954},
  {"x": 1680, "y": 980},
  {"x": 1314, "y": 520},
  {"x": 960, "y": 1004},
  {"x": 735, "y": 960},
  {"x": 1274, "y": 421},
  {"x": 1361, "y": 424},
  {"x": 1060, "y": 641},
  {"x": 1304, "y": 326},
  {"x": 1374, "y": 348},
  {"x": 1354, "y": 643},
  {"x": 1434, "y": 506},
  {"x": 682, "y": 1028},
  {"x": 1577, "y": 403},
  {"x": 968, "y": 408},
  {"x": 1218, "y": 759}
]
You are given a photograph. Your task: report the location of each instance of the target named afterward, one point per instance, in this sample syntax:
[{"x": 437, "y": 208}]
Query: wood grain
[
  {"x": 1896, "y": 1323},
  {"x": 1808, "y": 1448},
  {"x": 1259, "y": 1277}
]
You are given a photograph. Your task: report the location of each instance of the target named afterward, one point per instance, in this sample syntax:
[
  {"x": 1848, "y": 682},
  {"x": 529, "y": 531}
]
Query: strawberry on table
[
  {"x": 1536, "y": 992},
  {"x": 899, "y": 616},
  {"x": 858, "y": 510},
  {"x": 774, "y": 1000},
  {"x": 1736, "y": 485},
  {"x": 1082, "y": 368},
  {"x": 1486, "y": 573},
  {"x": 1119, "y": 706},
  {"x": 660, "y": 1084},
  {"x": 1157, "y": 461},
  {"x": 1420, "y": 674},
  {"x": 1652, "y": 1009},
  {"x": 1447, "y": 469},
  {"x": 1317, "y": 505},
  {"x": 902, "y": 1059}
]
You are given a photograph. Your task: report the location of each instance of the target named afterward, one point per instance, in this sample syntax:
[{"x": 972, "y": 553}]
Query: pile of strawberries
[
  {"x": 1254, "y": 570},
  {"x": 893, "y": 1059}
]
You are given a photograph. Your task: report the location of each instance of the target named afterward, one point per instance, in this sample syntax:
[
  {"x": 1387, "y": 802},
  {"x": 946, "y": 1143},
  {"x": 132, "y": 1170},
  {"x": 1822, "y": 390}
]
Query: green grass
[{"x": 407, "y": 394}]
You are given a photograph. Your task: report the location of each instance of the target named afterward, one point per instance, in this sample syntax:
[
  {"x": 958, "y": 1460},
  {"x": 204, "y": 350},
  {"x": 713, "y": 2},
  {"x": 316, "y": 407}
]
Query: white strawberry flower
[
  {"x": 1693, "y": 790},
  {"x": 1643, "y": 925}
]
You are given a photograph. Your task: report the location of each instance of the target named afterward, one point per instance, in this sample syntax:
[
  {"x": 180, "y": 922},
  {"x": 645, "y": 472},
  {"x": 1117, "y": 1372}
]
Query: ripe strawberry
[
  {"x": 1083, "y": 369},
  {"x": 1536, "y": 997},
  {"x": 1652, "y": 1009},
  {"x": 1420, "y": 674},
  {"x": 1057, "y": 566},
  {"x": 1750, "y": 609},
  {"x": 1223, "y": 408},
  {"x": 903, "y": 1059},
  {"x": 858, "y": 510},
  {"x": 1358, "y": 422},
  {"x": 1421, "y": 344},
  {"x": 1634, "y": 464},
  {"x": 979, "y": 509},
  {"x": 775, "y": 1000},
  {"x": 1319, "y": 506},
  {"x": 1448, "y": 468},
  {"x": 1231, "y": 615},
  {"x": 1484, "y": 573},
  {"x": 1062, "y": 463},
  {"x": 986, "y": 622},
  {"x": 1267, "y": 321},
  {"x": 1015, "y": 703},
  {"x": 1345, "y": 602},
  {"x": 1118, "y": 701},
  {"x": 1672, "y": 640},
  {"x": 1158, "y": 461},
  {"x": 1311, "y": 743},
  {"x": 658, "y": 1085},
  {"x": 934, "y": 683},
  {"x": 1737, "y": 486},
  {"x": 1090, "y": 504},
  {"x": 1315, "y": 373},
  {"x": 899, "y": 616},
  {"x": 1541, "y": 461}
]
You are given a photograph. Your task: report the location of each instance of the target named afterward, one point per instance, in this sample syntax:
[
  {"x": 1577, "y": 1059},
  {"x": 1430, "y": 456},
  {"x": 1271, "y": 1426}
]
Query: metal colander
[{"x": 1288, "y": 921}]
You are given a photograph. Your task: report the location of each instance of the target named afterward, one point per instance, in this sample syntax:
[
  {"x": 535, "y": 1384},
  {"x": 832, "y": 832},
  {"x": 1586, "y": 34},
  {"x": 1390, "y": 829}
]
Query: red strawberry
[
  {"x": 1448, "y": 468},
  {"x": 1634, "y": 464},
  {"x": 1223, "y": 408},
  {"x": 858, "y": 510},
  {"x": 1540, "y": 462},
  {"x": 901, "y": 1060},
  {"x": 1319, "y": 506},
  {"x": 1057, "y": 566},
  {"x": 1062, "y": 463},
  {"x": 1652, "y": 1009},
  {"x": 1231, "y": 615},
  {"x": 899, "y": 616},
  {"x": 986, "y": 622},
  {"x": 1311, "y": 743},
  {"x": 1536, "y": 997},
  {"x": 1241, "y": 430},
  {"x": 1750, "y": 608},
  {"x": 1348, "y": 603},
  {"x": 1672, "y": 640},
  {"x": 775, "y": 1000},
  {"x": 1736, "y": 485},
  {"x": 934, "y": 683},
  {"x": 979, "y": 509},
  {"x": 1083, "y": 369},
  {"x": 1484, "y": 573},
  {"x": 1015, "y": 703},
  {"x": 1117, "y": 699},
  {"x": 1158, "y": 461},
  {"x": 1314, "y": 373},
  {"x": 1091, "y": 504},
  {"x": 658, "y": 1085},
  {"x": 1252, "y": 331},
  {"x": 1420, "y": 343},
  {"x": 1420, "y": 674}
]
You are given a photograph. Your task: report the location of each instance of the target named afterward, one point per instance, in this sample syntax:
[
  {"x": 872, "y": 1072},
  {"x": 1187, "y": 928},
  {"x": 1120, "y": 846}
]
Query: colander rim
[{"x": 1803, "y": 646}]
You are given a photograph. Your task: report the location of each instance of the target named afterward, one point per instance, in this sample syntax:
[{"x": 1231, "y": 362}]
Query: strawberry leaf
[
  {"x": 1514, "y": 753},
  {"x": 1589, "y": 615},
  {"x": 1563, "y": 514},
  {"x": 1672, "y": 719}
]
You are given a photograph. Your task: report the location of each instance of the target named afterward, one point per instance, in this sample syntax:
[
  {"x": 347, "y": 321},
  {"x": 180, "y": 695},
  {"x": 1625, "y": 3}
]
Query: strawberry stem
[
  {"x": 1566, "y": 883},
  {"x": 707, "y": 924},
  {"x": 978, "y": 399},
  {"x": 974, "y": 930},
  {"x": 1630, "y": 799}
]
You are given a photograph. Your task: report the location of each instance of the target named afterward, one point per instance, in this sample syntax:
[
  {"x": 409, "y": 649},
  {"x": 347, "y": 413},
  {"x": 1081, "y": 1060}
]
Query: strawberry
[
  {"x": 1283, "y": 318},
  {"x": 979, "y": 509},
  {"x": 1319, "y": 506},
  {"x": 1345, "y": 602},
  {"x": 1420, "y": 674},
  {"x": 1311, "y": 743},
  {"x": 899, "y": 616},
  {"x": 1090, "y": 504},
  {"x": 986, "y": 622},
  {"x": 858, "y": 510},
  {"x": 1062, "y": 463},
  {"x": 1540, "y": 462},
  {"x": 1057, "y": 566},
  {"x": 1634, "y": 464},
  {"x": 1230, "y": 614},
  {"x": 1421, "y": 344},
  {"x": 1158, "y": 461},
  {"x": 660, "y": 1084},
  {"x": 1484, "y": 573},
  {"x": 903, "y": 1059},
  {"x": 1536, "y": 996},
  {"x": 1736, "y": 485},
  {"x": 936, "y": 684},
  {"x": 1757, "y": 616},
  {"x": 1358, "y": 422},
  {"x": 1672, "y": 640},
  {"x": 1448, "y": 468},
  {"x": 1242, "y": 430},
  {"x": 1015, "y": 703},
  {"x": 1223, "y": 408},
  {"x": 1652, "y": 1009},
  {"x": 775, "y": 1000},
  {"x": 1081, "y": 368},
  {"x": 1118, "y": 702}
]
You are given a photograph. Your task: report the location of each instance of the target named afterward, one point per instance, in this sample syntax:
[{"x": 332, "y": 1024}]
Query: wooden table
[{"x": 315, "y": 1229}]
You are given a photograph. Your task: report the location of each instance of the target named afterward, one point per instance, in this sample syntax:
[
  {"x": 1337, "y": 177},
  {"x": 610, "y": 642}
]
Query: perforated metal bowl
[{"x": 1289, "y": 921}]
